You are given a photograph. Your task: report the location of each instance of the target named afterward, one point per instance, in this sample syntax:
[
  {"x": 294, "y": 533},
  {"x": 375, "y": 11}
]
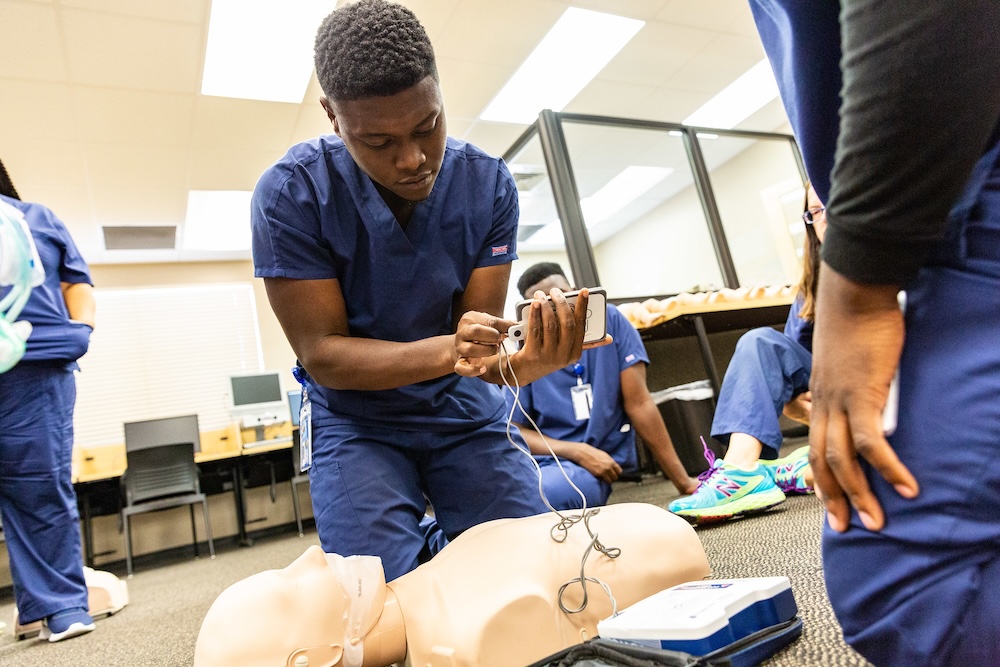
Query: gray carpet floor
[{"x": 168, "y": 599}]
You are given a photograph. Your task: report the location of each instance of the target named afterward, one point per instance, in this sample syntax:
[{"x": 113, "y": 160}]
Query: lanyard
[{"x": 578, "y": 372}]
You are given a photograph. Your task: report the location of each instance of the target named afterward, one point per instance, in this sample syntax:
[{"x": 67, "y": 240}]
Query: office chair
[
  {"x": 297, "y": 478},
  {"x": 159, "y": 478}
]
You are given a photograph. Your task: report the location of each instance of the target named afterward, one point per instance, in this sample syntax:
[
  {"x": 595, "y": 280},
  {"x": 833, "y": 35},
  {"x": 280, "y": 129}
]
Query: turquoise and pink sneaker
[
  {"x": 727, "y": 492},
  {"x": 789, "y": 473}
]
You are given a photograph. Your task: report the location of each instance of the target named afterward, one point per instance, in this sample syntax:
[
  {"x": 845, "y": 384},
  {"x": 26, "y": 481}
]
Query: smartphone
[{"x": 597, "y": 315}]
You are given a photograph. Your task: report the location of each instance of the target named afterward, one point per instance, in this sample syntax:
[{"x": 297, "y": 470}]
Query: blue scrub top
[
  {"x": 53, "y": 337},
  {"x": 316, "y": 215},
  {"x": 798, "y": 329},
  {"x": 547, "y": 400}
]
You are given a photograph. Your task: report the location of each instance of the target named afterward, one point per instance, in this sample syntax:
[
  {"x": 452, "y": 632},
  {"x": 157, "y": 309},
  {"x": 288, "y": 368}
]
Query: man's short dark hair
[
  {"x": 536, "y": 273},
  {"x": 372, "y": 48},
  {"x": 6, "y": 186}
]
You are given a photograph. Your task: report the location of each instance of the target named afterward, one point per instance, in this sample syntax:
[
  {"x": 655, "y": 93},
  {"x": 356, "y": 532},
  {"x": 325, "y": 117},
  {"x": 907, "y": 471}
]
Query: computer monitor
[
  {"x": 158, "y": 432},
  {"x": 257, "y": 399},
  {"x": 295, "y": 405}
]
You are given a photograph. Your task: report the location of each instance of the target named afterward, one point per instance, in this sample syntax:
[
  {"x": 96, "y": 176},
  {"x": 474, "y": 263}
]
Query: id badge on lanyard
[
  {"x": 581, "y": 395},
  {"x": 305, "y": 425}
]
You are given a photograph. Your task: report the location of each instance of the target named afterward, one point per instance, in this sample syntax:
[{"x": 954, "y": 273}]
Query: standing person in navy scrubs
[
  {"x": 910, "y": 171},
  {"x": 37, "y": 396},
  {"x": 385, "y": 251},
  {"x": 596, "y": 443}
]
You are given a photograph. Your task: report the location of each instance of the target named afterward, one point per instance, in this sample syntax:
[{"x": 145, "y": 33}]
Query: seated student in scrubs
[
  {"x": 593, "y": 445},
  {"x": 767, "y": 376},
  {"x": 385, "y": 250}
]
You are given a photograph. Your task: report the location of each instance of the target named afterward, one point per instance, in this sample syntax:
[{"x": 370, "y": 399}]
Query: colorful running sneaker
[{"x": 789, "y": 473}]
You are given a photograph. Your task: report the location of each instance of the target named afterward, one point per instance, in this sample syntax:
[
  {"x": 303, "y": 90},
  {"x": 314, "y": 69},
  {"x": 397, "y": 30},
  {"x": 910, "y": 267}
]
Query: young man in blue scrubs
[
  {"x": 896, "y": 106},
  {"x": 595, "y": 443},
  {"x": 385, "y": 251},
  {"x": 37, "y": 396}
]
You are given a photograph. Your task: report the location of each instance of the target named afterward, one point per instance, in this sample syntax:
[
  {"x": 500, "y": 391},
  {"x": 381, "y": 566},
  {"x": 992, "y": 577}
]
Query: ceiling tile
[
  {"x": 723, "y": 61},
  {"x": 645, "y": 10},
  {"x": 434, "y": 15},
  {"x": 468, "y": 87},
  {"x": 36, "y": 166},
  {"x": 711, "y": 14},
  {"x": 225, "y": 121},
  {"x": 669, "y": 105},
  {"x": 507, "y": 40},
  {"x": 185, "y": 11},
  {"x": 657, "y": 52},
  {"x": 107, "y": 115},
  {"x": 311, "y": 123},
  {"x": 139, "y": 206},
  {"x": 142, "y": 54},
  {"x": 494, "y": 138},
  {"x": 218, "y": 169},
  {"x": 37, "y": 111},
  {"x": 135, "y": 165},
  {"x": 31, "y": 47},
  {"x": 609, "y": 98}
]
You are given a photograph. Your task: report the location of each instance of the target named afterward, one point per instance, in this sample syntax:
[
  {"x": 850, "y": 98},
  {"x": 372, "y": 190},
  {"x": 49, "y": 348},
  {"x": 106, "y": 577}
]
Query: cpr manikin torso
[{"x": 489, "y": 598}]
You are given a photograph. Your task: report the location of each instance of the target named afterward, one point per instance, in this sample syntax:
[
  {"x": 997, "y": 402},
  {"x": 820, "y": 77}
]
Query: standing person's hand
[{"x": 857, "y": 343}]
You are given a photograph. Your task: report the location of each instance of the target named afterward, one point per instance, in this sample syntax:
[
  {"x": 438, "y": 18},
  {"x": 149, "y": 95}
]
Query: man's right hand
[{"x": 598, "y": 462}]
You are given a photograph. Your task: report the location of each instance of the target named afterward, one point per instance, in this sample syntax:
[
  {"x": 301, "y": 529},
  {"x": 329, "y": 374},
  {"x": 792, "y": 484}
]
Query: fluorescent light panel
[
  {"x": 217, "y": 220},
  {"x": 261, "y": 49},
  {"x": 577, "y": 47},
  {"x": 739, "y": 100}
]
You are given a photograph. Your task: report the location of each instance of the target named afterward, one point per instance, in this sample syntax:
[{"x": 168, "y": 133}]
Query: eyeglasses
[{"x": 813, "y": 214}]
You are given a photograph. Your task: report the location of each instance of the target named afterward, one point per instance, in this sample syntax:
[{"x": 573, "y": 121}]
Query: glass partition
[
  {"x": 653, "y": 209},
  {"x": 538, "y": 210},
  {"x": 759, "y": 193}
]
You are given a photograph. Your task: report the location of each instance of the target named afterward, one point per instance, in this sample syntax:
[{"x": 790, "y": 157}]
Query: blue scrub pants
[
  {"x": 561, "y": 495},
  {"x": 37, "y": 501},
  {"x": 370, "y": 487},
  {"x": 767, "y": 370},
  {"x": 926, "y": 589}
]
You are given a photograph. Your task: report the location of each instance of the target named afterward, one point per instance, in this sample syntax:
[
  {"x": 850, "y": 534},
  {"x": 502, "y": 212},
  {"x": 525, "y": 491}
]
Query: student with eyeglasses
[{"x": 768, "y": 376}]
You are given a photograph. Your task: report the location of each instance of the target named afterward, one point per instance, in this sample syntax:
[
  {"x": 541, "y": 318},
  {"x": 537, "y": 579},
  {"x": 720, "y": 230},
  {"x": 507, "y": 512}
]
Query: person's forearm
[
  {"x": 80, "y": 304},
  {"x": 648, "y": 424},
  {"x": 536, "y": 444},
  {"x": 345, "y": 362}
]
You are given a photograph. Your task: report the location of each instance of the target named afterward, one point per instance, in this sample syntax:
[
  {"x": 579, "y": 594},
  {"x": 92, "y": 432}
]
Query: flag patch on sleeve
[
  {"x": 499, "y": 250},
  {"x": 629, "y": 358}
]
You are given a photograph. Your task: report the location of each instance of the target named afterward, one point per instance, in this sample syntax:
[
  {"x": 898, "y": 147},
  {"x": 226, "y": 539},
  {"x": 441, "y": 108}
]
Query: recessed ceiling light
[
  {"x": 217, "y": 220},
  {"x": 577, "y": 47},
  {"x": 739, "y": 100},
  {"x": 261, "y": 49}
]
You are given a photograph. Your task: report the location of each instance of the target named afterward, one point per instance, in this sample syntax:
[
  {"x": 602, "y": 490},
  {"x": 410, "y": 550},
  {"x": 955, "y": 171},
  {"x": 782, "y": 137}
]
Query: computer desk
[{"x": 99, "y": 470}]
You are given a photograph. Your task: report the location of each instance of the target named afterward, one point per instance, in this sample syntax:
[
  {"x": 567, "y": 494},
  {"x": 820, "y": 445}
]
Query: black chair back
[{"x": 167, "y": 470}]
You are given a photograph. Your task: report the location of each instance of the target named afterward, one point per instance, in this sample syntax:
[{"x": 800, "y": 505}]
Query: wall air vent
[{"x": 140, "y": 238}]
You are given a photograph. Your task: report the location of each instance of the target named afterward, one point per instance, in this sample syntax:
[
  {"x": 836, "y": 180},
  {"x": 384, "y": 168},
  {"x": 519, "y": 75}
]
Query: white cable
[{"x": 560, "y": 531}]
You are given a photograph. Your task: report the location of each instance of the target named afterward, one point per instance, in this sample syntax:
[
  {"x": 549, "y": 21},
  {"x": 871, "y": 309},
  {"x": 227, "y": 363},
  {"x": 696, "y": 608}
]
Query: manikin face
[
  {"x": 260, "y": 620},
  {"x": 813, "y": 203},
  {"x": 397, "y": 140}
]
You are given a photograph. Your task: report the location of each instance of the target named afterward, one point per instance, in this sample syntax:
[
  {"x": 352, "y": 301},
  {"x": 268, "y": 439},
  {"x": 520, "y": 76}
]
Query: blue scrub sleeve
[
  {"x": 73, "y": 268},
  {"x": 501, "y": 244},
  {"x": 628, "y": 342},
  {"x": 286, "y": 230}
]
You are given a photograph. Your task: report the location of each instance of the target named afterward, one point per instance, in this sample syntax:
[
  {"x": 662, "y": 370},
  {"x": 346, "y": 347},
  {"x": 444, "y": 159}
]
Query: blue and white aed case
[{"x": 702, "y": 616}]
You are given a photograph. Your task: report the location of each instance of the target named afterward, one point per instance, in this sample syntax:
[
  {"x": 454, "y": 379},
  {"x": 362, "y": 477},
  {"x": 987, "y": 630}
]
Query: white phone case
[{"x": 597, "y": 315}]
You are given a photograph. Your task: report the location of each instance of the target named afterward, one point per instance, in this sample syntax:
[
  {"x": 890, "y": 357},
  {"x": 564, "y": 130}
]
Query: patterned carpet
[{"x": 169, "y": 599}]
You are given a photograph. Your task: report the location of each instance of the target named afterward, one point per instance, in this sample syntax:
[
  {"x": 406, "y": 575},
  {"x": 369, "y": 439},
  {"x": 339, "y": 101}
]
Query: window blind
[{"x": 164, "y": 352}]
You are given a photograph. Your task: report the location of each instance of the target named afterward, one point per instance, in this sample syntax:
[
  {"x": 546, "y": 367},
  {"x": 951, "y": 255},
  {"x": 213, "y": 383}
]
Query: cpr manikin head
[
  {"x": 491, "y": 597},
  {"x": 275, "y": 617}
]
